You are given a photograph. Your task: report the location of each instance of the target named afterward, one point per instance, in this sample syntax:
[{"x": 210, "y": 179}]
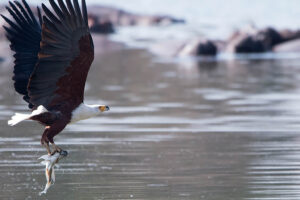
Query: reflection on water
[{"x": 208, "y": 130}]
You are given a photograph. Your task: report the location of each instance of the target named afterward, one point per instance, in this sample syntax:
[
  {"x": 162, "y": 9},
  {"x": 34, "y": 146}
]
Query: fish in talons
[{"x": 50, "y": 161}]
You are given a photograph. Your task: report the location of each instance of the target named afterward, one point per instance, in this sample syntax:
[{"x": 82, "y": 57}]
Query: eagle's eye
[{"x": 103, "y": 108}]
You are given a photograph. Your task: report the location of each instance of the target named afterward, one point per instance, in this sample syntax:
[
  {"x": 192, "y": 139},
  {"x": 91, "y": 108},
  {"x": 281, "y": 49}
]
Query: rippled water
[{"x": 179, "y": 130}]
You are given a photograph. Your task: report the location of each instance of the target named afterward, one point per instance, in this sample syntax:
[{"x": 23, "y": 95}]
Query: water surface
[{"x": 176, "y": 130}]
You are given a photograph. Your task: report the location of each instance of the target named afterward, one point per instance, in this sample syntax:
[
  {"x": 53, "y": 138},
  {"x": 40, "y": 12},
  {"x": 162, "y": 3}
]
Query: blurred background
[{"x": 204, "y": 99}]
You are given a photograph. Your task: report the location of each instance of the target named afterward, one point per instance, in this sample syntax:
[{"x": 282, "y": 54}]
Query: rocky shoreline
[
  {"x": 245, "y": 41},
  {"x": 104, "y": 20}
]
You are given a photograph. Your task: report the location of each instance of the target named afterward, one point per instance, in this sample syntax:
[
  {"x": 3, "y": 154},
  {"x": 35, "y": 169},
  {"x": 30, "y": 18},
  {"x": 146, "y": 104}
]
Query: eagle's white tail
[{"x": 18, "y": 117}]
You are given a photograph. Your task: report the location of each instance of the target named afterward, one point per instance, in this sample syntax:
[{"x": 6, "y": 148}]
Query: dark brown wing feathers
[
  {"x": 53, "y": 56},
  {"x": 76, "y": 74},
  {"x": 24, "y": 35},
  {"x": 66, "y": 54}
]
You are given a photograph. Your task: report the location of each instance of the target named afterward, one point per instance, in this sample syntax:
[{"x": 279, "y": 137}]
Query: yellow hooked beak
[{"x": 103, "y": 108}]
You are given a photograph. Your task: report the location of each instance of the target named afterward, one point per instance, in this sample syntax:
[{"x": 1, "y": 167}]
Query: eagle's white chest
[{"x": 84, "y": 111}]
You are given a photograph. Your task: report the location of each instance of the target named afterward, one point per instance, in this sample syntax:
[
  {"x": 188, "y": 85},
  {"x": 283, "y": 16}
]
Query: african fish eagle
[{"x": 52, "y": 60}]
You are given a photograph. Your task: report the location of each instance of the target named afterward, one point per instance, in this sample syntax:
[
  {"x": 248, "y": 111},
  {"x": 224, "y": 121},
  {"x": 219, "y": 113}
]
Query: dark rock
[
  {"x": 289, "y": 46},
  {"x": 100, "y": 26},
  {"x": 245, "y": 43},
  {"x": 249, "y": 45},
  {"x": 164, "y": 20},
  {"x": 103, "y": 28},
  {"x": 199, "y": 47},
  {"x": 206, "y": 48},
  {"x": 268, "y": 37},
  {"x": 254, "y": 41}
]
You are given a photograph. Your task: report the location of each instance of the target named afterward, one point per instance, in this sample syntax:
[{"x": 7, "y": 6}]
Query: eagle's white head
[{"x": 85, "y": 111}]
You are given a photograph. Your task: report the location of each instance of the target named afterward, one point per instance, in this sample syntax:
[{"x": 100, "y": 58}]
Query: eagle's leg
[
  {"x": 47, "y": 148},
  {"x": 58, "y": 150},
  {"x": 53, "y": 131},
  {"x": 45, "y": 141},
  {"x": 55, "y": 148},
  {"x": 49, "y": 133}
]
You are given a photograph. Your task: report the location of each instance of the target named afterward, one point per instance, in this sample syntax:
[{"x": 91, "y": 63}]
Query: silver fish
[{"x": 49, "y": 161}]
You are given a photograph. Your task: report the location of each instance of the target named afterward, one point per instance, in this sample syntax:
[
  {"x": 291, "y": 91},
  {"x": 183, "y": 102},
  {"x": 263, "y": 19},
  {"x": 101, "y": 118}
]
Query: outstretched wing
[
  {"x": 24, "y": 35},
  {"x": 66, "y": 54}
]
